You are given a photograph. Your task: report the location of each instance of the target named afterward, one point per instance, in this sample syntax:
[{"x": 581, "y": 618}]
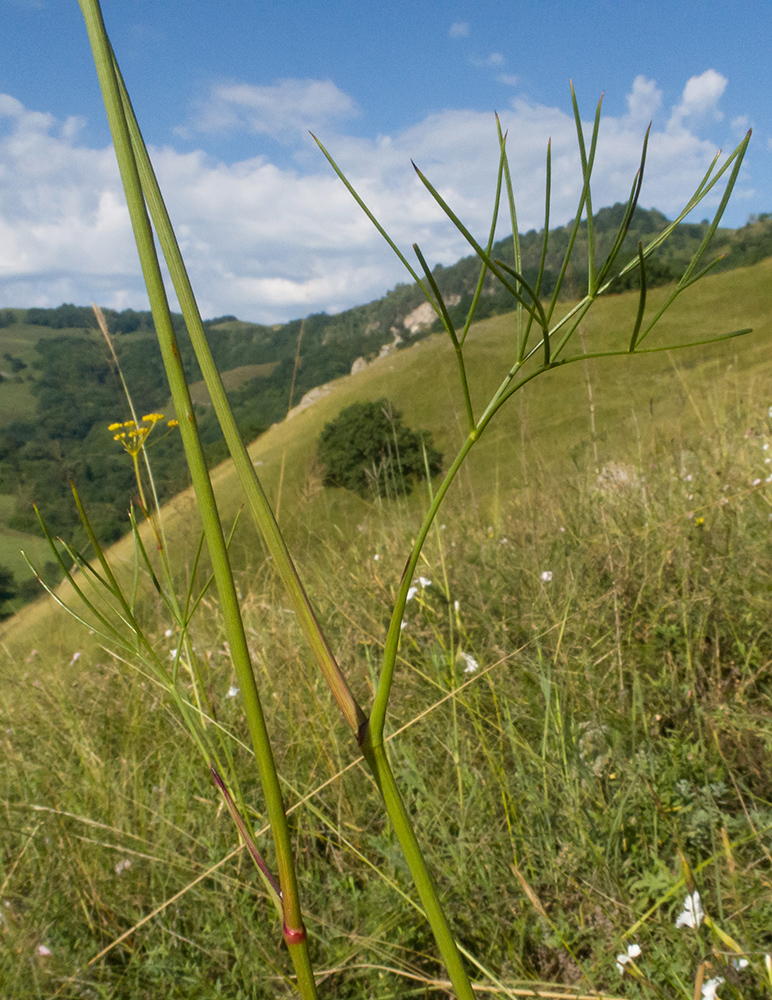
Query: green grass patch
[
  {"x": 11, "y": 544},
  {"x": 582, "y": 701},
  {"x": 233, "y": 379}
]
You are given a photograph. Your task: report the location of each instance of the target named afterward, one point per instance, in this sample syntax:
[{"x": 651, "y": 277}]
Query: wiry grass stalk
[
  {"x": 266, "y": 523},
  {"x": 293, "y": 927}
]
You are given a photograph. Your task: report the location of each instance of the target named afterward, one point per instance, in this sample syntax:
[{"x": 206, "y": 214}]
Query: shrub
[
  {"x": 367, "y": 449},
  {"x": 7, "y": 589}
]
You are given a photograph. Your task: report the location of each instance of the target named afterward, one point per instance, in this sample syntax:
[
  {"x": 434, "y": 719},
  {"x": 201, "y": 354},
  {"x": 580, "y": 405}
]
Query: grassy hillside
[
  {"x": 548, "y": 426},
  {"x": 59, "y": 389},
  {"x": 613, "y": 718}
]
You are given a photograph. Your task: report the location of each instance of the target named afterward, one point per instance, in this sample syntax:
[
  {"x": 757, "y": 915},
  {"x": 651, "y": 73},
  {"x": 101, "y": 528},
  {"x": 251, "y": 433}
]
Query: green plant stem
[
  {"x": 259, "y": 506},
  {"x": 378, "y": 762},
  {"x": 377, "y": 721},
  {"x": 263, "y": 515},
  {"x": 294, "y": 931}
]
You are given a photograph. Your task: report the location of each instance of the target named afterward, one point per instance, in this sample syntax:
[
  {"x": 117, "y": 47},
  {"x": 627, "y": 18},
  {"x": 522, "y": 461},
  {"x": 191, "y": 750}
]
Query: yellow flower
[
  {"x": 173, "y": 423},
  {"x": 133, "y": 435}
]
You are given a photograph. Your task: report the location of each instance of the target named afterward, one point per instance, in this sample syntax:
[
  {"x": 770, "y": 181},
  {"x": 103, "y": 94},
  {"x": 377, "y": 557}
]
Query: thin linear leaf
[
  {"x": 354, "y": 194},
  {"x": 641, "y": 301},
  {"x": 447, "y": 322},
  {"x": 516, "y": 251},
  {"x": 485, "y": 257},
  {"x": 488, "y": 250},
  {"x": 588, "y": 161},
  {"x": 545, "y": 242},
  {"x": 628, "y": 216}
]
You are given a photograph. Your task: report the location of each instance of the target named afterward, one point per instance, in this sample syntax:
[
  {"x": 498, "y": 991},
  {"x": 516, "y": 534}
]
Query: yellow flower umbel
[{"x": 132, "y": 435}]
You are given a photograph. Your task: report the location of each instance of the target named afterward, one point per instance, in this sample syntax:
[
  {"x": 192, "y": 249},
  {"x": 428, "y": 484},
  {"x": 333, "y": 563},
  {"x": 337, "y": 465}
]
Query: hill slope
[
  {"x": 59, "y": 389},
  {"x": 649, "y": 400}
]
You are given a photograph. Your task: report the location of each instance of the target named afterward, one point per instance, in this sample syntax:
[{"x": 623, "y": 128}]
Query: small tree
[
  {"x": 7, "y": 589},
  {"x": 367, "y": 449}
]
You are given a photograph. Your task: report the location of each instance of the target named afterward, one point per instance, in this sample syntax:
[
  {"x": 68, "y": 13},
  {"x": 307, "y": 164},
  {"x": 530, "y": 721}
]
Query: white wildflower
[
  {"x": 173, "y": 654},
  {"x": 765, "y": 446},
  {"x": 75, "y": 658},
  {"x": 376, "y": 557},
  {"x": 411, "y": 593},
  {"x": 168, "y": 633},
  {"x": 755, "y": 482},
  {"x": 709, "y": 988},
  {"x": 633, "y": 951},
  {"x": 546, "y": 576},
  {"x": 457, "y": 606},
  {"x": 123, "y": 865},
  {"x": 692, "y": 913},
  {"x": 43, "y": 951},
  {"x": 424, "y": 582},
  {"x": 232, "y": 691},
  {"x": 470, "y": 663},
  {"x": 740, "y": 963}
]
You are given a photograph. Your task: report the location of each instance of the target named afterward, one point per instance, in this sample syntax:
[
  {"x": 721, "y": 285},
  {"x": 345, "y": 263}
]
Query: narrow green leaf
[
  {"x": 488, "y": 249},
  {"x": 355, "y": 195},
  {"x": 269, "y": 880},
  {"x": 705, "y": 270},
  {"x": 448, "y": 324},
  {"x": 641, "y": 301},
  {"x": 485, "y": 257},
  {"x": 588, "y": 162},
  {"x": 685, "y": 280},
  {"x": 658, "y": 350},
  {"x": 628, "y": 216},
  {"x": 516, "y": 253}
]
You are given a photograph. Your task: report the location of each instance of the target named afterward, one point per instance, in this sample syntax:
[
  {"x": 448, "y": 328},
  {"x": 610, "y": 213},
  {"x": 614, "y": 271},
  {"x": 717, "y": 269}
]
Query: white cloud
[
  {"x": 700, "y": 98},
  {"x": 280, "y": 110},
  {"x": 741, "y": 124},
  {"x": 494, "y": 59},
  {"x": 270, "y": 242},
  {"x": 459, "y": 29},
  {"x": 644, "y": 100}
]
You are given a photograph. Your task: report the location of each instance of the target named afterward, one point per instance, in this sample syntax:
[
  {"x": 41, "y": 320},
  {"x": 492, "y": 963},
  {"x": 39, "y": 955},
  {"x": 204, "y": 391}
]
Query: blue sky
[{"x": 226, "y": 93}]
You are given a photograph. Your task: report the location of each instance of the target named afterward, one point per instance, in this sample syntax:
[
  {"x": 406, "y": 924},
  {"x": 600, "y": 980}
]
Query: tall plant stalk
[
  {"x": 541, "y": 344},
  {"x": 293, "y": 928}
]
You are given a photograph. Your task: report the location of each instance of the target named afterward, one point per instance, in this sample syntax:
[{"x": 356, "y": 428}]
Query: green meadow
[{"x": 580, "y": 722}]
